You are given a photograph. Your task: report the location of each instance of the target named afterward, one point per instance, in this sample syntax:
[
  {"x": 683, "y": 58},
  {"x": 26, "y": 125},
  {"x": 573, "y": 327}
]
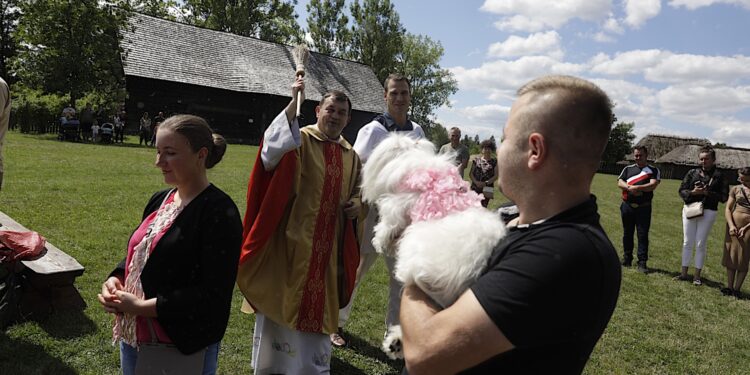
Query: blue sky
[{"x": 672, "y": 67}]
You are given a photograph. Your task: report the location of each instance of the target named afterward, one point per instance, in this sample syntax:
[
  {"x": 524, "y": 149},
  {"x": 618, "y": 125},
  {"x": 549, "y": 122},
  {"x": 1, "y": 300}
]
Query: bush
[{"x": 35, "y": 112}]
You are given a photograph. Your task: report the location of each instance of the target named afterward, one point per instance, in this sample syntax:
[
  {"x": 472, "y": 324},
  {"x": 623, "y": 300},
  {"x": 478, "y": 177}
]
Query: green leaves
[{"x": 620, "y": 142}]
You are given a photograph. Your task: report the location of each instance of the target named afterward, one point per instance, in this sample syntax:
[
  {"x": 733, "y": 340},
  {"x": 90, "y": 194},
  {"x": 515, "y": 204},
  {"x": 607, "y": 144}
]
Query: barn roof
[
  {"x": 661, "y": 144},
  {"x": 171, "y": 51},
  {"x": 726, "y": 158}
]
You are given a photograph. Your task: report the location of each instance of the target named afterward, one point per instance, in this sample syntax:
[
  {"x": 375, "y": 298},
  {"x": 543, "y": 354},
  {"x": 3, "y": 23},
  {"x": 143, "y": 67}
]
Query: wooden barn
[
  {"x": 239, "y": 84},
  {"x": 676, "y": 163}
]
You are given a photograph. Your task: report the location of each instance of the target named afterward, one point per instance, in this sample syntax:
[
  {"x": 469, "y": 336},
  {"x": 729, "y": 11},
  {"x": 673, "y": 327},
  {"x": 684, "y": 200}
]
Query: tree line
[{"x": 70, "y": 50}]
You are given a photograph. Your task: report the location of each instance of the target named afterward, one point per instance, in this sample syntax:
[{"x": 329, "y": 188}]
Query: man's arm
[
  {"x": 283, "y": 134},
  {"x": 650, "y": 186},
  {"x": 447, "y": 341}
]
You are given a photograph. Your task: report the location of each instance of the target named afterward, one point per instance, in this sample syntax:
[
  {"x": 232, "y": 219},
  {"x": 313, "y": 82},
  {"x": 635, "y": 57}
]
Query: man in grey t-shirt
[{"x": 462, "y": 152}]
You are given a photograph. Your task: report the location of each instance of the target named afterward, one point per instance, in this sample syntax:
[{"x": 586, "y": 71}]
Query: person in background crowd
[
  {"x": 87, "y": 121},
  {"x": 95, "y": 132},
  {"x": 119, "y": 125},
  {"x": 144, "y": 129},
  {"x": 737, "y": 238},
  {"x": 483, "y": 172},
  {"x": 637, "y": 182},
  {"x": 462, "y": 152},
  {"x": 707, "y": 185},
  {"x": 175, "y": 285}
]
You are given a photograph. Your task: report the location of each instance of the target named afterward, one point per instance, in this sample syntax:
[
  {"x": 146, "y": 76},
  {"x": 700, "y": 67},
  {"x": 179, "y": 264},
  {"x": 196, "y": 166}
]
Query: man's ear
[
  {"x": 537, "y": 151},
  {"x": 317, "y": 110}
]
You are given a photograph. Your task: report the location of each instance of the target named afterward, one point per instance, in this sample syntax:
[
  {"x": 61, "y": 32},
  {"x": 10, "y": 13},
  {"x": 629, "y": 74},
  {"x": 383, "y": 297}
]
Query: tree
[
  {"x": 271, "y": 20},
  {"x": 9, "y": 14},
  {"x": 155, "y": 8},
  {"x": 620, "y": 142},
  {"x": 438, "y": 134},
  {"x": 376, "y": 35},
  {"x": 327, "y": 26},
  {"x": 431, "y": 85},
  {"x": 71, "y": 47}
]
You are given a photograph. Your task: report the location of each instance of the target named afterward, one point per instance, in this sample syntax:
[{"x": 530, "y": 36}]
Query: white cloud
[
  {"x": 488, "y": 114},
  {"x": 535, "y": 44},
  {"x": 698, "y": 100},
  {"x": 535, "y": 15},
  {"x": 639, "y": 11},
  {"x": 633, "y": 102},
  {"x": 602, "y": 37},
  {"x": 520, "y": 23},
  {"x": 686, "y": 68},
  {"x": 502, "y": 78},
  {"x": 631, "y": 62},
  {"x": 732, "y": 132},
  {"x": 612, "y": 25},
  {"x": 695, "y": 4}
]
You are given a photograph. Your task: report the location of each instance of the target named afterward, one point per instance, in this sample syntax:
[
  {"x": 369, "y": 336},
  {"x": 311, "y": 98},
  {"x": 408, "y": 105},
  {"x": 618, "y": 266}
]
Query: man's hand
[
  {"x": 733, "y": 231},
  {"x": 297, "y": 87},
  {"x": 741, "y": 232},
  {"x": 351, "y": 209}
]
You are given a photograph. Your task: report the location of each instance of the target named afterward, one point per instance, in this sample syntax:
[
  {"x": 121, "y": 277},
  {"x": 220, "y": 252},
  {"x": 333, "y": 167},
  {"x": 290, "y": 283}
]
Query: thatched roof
[
  {"x": 726, "y": 158},
  {"x": 171, "y": 51},
  {"x": 660, "y": 144}
]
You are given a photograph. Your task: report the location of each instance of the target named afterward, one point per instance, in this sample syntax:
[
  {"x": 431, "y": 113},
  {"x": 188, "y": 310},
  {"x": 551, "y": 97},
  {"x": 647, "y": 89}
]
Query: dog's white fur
[{"x": 441, "y": 256}]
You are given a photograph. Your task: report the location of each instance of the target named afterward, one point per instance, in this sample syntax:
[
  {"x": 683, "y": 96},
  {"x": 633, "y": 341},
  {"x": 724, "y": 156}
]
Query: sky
[{"x": 678, "y": 67}]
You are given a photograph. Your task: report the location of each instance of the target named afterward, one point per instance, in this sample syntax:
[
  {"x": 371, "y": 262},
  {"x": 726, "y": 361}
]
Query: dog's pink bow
[{"x": 442, "y": 191}]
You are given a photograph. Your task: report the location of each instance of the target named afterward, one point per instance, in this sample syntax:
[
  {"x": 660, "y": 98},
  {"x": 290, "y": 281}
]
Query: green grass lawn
[{"x": 86, "y": 199}]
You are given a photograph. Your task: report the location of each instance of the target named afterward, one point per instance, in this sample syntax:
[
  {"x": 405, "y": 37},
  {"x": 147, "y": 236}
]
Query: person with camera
[{"x": 702, "y": 189}]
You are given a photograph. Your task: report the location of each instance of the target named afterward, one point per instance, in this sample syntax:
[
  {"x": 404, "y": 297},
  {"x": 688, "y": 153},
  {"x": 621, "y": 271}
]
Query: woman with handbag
[
  {"x": 172, "y": 293},
  {"x": 483, "y": 172},
  {"x": 702, "y": 189},
  {"x": 737, "y": 238}
]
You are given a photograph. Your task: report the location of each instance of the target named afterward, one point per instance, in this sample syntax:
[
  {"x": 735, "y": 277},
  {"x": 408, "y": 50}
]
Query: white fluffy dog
[{"x": 429, "y": 220}]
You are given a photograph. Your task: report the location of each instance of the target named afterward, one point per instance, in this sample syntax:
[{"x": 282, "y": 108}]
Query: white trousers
[
  {"x": 695, "y": 234},
  {"x": 280, "y": 350},
  {"x": 368, "y": 256}
]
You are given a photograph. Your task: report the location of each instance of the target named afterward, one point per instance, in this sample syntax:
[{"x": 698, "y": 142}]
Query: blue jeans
[
  {"x": 635, "y": 220},
  {"x": 129, "y": 356}
]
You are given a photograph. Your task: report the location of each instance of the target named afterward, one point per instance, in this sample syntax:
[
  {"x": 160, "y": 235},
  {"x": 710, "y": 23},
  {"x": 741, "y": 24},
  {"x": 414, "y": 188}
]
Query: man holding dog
[
  {"x": 397, "y": 97},
  {"x": 552, "y": 283},
  {"x": 299, "y": 236},
  {"x": 637, "y": 182}
]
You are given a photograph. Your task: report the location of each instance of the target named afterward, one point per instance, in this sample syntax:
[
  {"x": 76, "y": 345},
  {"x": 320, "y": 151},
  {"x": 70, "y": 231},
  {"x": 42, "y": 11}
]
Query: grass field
[{"x": 86, "y": 199}]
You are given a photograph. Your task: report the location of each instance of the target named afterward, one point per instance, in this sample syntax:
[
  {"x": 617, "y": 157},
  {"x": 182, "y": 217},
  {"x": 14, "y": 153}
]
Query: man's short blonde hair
[{"x": 573, "y": 114}]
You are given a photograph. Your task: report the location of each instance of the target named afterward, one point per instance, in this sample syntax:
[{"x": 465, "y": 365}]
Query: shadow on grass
[
  {"x": 707, "y": 283},
  {"x": 21, "y": 357},
  {"x": 339, "y": 366},
  {"x": 363, "y": 347},
  {"x": 68, "y": 324}
]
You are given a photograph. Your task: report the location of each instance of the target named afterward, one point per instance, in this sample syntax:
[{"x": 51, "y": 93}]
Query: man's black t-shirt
[{"x": 551, "y": 289}]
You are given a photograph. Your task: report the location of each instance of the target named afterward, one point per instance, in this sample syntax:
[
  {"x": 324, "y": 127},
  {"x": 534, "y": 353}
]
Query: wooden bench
[{"x": 48, "y": 280}]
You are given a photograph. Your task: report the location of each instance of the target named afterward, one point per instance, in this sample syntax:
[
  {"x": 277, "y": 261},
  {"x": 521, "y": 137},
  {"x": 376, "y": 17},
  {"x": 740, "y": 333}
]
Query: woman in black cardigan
[
  {"x": 175, "y": 286},
  {"x": 707, "y": 185}
]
